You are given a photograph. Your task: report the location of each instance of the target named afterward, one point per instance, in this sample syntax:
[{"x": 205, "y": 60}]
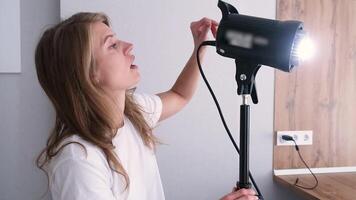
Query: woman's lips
[{"x": 133, "y": 66}]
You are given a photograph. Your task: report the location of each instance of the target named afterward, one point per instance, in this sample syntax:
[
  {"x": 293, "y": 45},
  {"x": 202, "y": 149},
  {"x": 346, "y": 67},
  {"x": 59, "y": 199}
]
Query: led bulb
[{"x": 303, "y": 48}]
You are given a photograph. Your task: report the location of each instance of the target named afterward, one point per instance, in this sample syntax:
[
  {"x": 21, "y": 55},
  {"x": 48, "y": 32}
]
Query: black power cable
[
  {"x": 213, "y": 43},
  {"x": 289, "y": 138}
]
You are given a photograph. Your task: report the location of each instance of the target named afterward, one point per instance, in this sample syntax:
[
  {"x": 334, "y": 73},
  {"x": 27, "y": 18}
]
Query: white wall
[{"x": 199, "y": 161}]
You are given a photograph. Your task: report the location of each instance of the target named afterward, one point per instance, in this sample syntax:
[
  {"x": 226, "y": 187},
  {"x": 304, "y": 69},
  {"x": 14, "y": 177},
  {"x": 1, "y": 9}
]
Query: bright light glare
[{"x": 305, "y": 49}]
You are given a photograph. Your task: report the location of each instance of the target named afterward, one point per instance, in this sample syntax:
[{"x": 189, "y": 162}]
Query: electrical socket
[{"x": 300, "y": 137}]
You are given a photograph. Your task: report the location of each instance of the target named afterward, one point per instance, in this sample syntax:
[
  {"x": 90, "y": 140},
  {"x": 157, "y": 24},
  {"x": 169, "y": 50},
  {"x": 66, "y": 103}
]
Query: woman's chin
[{"x": 136, "y": 82}]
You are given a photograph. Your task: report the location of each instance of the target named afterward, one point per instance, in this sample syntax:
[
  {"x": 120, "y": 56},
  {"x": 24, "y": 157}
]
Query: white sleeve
[
  {"x": 78, "y": 179},
  {"x": 151, "y": 105}
]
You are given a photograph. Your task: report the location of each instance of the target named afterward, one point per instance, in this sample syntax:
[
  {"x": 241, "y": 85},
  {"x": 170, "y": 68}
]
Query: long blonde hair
[{"x": 65, "y": 66}]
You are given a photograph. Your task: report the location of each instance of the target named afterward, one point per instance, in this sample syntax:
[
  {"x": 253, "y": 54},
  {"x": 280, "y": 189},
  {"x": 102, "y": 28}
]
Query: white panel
[
  {"x": 10, "y": 50},
  {"x": 323, "y": 170}
]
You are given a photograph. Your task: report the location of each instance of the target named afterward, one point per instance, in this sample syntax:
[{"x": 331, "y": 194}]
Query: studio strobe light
[{"x": 253, "y": 42}]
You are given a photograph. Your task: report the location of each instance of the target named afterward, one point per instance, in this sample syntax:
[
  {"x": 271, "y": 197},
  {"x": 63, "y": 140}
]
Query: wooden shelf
[{"x": 340, "y": 186}]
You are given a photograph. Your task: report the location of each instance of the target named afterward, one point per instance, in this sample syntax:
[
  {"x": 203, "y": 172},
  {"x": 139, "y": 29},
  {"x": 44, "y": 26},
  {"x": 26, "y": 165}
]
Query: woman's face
[{"x": 113, "y": 59}]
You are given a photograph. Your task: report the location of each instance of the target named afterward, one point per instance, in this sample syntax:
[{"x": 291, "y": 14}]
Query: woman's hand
[
  {"x": 200, "y": 30},
  {"x": 185, "y": 86},
  {"x": 242, "y": 194}
]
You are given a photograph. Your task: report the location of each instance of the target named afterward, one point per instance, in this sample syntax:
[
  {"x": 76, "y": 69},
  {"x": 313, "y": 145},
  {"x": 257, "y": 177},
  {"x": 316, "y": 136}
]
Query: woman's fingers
[
  {"x": 215, "y": 22},
  {"x": 242, "y": 194},
  {"x": 214, "y": 29},
  {"x": 201, "y": 28}
]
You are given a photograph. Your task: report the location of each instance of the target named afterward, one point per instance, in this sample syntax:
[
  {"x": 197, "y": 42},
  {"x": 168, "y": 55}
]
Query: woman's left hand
[{"x": 200, "y": 30}]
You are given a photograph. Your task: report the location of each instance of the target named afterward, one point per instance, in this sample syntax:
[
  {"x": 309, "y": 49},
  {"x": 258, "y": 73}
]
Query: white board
[{"x": 10, "y": 38}]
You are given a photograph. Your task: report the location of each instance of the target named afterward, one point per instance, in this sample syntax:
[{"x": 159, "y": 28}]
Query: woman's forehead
[{"x": 101, "y": 32}]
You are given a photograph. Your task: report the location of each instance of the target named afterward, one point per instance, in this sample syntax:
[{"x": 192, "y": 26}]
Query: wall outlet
[{"x": 300, "y": 137}]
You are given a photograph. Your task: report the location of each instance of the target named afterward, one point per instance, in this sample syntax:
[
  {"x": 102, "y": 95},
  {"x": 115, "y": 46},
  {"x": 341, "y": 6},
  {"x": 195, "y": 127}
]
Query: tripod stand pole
[{"x": 244, "y": 144}]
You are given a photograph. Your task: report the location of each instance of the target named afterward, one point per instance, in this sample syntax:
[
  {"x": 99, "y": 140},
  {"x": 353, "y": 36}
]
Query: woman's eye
[{"x": 113, "y": 46}]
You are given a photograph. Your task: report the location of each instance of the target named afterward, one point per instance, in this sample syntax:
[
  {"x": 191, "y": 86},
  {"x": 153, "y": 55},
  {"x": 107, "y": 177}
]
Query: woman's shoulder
[
  {"x": 79, "y": 164},
  {"x": 75, "y": 148},
  {"x": 146, "y": 100},
  {"x": 150, "y": 105}
]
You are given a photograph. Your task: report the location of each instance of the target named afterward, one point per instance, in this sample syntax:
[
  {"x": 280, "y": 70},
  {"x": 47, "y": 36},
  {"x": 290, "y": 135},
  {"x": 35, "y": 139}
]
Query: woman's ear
[
  {"x": 95, "y": 78},
  {"x": 97, "y": 81}
]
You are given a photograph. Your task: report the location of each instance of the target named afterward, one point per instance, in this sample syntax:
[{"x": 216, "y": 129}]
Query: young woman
[{"x": 102, "y": 146}]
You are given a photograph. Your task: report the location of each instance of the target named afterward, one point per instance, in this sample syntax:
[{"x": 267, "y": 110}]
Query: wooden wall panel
[{"x": 320, "y": 95}]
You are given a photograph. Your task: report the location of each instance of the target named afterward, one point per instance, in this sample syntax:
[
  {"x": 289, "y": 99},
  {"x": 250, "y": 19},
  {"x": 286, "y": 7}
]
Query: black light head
[{"x": 262, "y": 41}]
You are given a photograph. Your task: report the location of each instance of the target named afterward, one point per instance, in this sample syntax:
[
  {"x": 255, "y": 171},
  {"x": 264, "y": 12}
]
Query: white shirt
[{"x": 75, "y": 176}]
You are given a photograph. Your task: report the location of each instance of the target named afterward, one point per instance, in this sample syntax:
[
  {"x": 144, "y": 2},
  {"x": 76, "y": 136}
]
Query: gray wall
[
  {"x": 26, "y": 115},
  {"x": 198, "y": 161}
]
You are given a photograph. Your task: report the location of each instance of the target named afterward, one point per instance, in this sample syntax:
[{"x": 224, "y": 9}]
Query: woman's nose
[{"x": 128, "y": 48}]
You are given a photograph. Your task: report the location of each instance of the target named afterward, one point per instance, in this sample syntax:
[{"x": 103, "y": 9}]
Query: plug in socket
[{"x": 300, "y": 137}]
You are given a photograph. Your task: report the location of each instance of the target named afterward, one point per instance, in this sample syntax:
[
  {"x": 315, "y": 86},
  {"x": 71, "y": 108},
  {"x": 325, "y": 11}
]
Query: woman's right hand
[{"x": 242, "y": 194}]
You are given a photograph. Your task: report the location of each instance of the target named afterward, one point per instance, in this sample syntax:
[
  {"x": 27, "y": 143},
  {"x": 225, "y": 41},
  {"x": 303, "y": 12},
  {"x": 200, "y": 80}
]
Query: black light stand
[
  {"x": 245, "y": 75},
  {"x": 245, "y": 78},
  {"x": 252, "y": 42}
]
